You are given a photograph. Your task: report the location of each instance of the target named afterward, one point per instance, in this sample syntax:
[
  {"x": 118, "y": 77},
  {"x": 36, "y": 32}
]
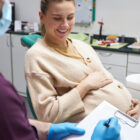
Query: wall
[
  {"x": 27, "y": 10},
  {"x": 120, "y": 17}
]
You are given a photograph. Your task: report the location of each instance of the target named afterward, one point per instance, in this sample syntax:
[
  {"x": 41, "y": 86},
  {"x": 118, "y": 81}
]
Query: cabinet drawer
[
  {"x": 134, "y": 58},
  {"x": 5, "y": 57},
  {"x": 109, "y": 57},
  {"x": 133, "y": 68},
  {"x": 118, "y": 72}
]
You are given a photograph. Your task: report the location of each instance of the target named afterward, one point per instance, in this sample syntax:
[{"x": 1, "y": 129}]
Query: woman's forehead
[{"x": 60, "y": 8}]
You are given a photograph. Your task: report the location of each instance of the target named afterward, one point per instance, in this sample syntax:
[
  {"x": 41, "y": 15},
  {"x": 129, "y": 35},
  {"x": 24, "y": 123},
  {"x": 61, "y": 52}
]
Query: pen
[{"x": 107, "y": 123}]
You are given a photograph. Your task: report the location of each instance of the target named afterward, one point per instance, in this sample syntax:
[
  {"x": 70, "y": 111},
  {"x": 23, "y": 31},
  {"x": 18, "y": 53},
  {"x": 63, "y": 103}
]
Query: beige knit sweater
[{"x": 52, "y": 78}]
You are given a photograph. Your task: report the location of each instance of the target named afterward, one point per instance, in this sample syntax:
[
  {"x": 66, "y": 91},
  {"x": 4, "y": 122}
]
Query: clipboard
[
  {"x": 130, "y": 128},
  {"x": 126, "y": 119}
]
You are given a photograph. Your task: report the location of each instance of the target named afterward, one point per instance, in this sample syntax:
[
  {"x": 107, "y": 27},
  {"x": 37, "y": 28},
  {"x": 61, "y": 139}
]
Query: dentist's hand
[
  {"x": 61, "y": 130},
  {"x": 101, "y": 132}
]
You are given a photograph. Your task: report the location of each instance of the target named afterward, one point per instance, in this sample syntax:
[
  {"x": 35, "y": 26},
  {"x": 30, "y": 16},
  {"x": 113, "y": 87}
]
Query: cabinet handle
[
  {"x": 108, "y": 68},
  {"x": 105, "y": 54},
  {"x": 8, "y": 41},
  {"x": 11, "y": 39}
]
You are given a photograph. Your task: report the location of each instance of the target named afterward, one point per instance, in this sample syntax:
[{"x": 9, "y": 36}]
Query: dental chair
[
  {"x": 28, "y": 41},
  {"x": 133, "y": 85}
]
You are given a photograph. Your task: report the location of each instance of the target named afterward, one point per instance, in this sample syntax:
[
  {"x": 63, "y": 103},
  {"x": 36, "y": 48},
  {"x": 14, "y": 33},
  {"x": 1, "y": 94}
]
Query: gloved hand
[
  {"x": 102, "y": 132},
  {"x": 61, "y": 130}
]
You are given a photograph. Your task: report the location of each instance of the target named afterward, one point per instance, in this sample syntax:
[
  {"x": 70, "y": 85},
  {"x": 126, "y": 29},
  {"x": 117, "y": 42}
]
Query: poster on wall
[{"x": 85, "y": 11}]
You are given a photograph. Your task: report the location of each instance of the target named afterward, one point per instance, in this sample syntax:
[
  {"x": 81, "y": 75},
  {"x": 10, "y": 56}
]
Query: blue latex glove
[
  {"x": 102, "y": 132},
  {"x": 61, "y": 130}
]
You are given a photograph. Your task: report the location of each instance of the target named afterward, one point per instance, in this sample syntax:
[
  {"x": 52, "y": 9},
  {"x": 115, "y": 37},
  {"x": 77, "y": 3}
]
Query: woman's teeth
[{"x": 62, "y": 31}]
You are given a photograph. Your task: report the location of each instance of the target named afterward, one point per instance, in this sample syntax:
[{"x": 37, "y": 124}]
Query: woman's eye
[
  {"x": 57, "y": 19},
  {"x": 70, "y": 18}
]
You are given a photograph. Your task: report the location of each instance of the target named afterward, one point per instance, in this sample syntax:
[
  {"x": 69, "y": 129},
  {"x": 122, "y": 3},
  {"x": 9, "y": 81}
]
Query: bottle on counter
[{"x": 122, "y": 39}]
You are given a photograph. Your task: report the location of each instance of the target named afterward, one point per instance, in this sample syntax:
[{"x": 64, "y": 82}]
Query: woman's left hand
[{"x": 135, "y": 112}]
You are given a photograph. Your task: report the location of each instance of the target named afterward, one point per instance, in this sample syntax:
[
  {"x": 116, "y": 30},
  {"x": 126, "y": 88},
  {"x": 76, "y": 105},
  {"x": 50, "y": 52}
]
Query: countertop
[
  {"x": 21, "y": 32},
  {"x": 124, "y": 49}
]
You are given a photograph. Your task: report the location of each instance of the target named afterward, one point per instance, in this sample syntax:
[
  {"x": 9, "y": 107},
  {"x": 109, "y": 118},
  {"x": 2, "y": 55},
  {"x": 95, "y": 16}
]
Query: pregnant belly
[{"x": 115, "y": 93}]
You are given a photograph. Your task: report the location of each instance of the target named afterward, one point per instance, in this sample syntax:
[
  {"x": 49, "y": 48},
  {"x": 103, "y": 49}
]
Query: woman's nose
[{"x": 65, "y": 24}]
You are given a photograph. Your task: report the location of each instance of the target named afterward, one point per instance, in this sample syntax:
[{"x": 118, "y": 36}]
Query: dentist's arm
[{"x": 48, "y": 131}]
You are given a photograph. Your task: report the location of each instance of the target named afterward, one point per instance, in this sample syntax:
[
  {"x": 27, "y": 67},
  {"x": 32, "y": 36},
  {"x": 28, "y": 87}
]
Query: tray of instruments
[{"x": 104, "y": 44}]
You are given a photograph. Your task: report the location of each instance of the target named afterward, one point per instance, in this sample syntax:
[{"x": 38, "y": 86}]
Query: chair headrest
[{"x": 29, "y": 40}]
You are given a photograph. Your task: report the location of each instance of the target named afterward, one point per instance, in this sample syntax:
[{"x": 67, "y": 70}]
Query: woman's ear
[{"x": 42, "y": 17}]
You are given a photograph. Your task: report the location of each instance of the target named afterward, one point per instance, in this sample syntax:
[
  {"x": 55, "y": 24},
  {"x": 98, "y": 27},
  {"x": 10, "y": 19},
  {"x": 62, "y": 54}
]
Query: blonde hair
[{"x": 44, "y": 7}]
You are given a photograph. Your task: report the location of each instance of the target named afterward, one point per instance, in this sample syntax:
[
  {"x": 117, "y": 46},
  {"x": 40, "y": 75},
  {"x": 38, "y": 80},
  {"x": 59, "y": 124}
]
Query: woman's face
[{"x": 59, "y": 20}]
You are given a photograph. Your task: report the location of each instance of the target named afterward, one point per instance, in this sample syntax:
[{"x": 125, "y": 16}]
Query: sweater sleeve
[{"x": 47, "y": 104}]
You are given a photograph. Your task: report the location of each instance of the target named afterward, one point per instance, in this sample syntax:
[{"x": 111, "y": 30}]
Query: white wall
[
  {"x": 120, "y": 17},
  {"x": 27, "y": 10}
]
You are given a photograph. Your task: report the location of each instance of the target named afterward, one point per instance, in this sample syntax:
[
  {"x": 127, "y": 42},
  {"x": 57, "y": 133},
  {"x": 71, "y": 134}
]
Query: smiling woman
[
  {"x": 58, "y": 20},
  {"x": 65, "y": 77}
]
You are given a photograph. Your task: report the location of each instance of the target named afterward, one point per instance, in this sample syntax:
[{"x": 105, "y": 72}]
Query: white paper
[
  {"x": 103, "y": 112},
  {"x": 133, "y": 46}
]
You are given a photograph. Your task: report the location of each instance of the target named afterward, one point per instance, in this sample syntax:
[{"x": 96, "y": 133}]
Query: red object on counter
[
  {"x": 106, "y": 42},
  {"x": 100, "y": 22},
  {"x": 100, "y": 30}
]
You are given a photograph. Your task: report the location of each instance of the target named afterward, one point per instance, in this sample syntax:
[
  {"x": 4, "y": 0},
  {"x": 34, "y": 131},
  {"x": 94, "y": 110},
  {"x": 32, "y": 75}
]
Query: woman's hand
[
  {"x": 93, "y": 81},
  {"x": 97, "y": 80},
  {"x": 135, "y": 112}
]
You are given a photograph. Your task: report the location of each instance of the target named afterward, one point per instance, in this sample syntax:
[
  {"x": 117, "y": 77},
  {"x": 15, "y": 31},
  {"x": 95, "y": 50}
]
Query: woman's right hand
[
  {"x": 96, "y": 80},
  {"x": 93, "y": 81}
]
